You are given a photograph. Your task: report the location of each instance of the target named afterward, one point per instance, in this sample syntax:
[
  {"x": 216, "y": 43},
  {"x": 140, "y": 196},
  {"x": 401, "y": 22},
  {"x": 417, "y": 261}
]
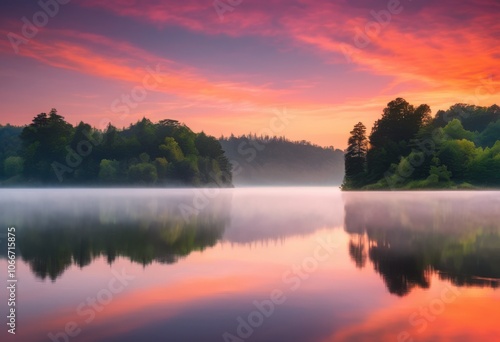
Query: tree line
[
  {"x": 273, "y": 160},
  {"x": 408, "y": 148},
  {"x": 167, "y": 153}
]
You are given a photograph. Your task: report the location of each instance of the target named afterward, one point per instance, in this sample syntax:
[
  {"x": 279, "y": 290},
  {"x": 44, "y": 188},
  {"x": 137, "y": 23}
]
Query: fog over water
[{"x": 343, "y": 260}]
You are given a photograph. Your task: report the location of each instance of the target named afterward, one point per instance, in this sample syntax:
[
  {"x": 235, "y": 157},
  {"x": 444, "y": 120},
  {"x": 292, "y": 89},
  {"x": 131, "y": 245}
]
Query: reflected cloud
[{"x": 418, "y": 242}]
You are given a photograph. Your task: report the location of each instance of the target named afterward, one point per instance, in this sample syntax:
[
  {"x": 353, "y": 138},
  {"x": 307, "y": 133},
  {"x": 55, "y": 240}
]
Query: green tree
[
  {"x": 208, "y": 146},
  {"x": 144, "y": 173},
  {"x": 455, "y": 130},
  {"x": 145, "y": 152},
  {"x": 185, "y": 171},
  {"x": 84, "y": 142},
  {"x": 144, "y": 157},
  {"x": 438, "y": 173},
  {"x": 45, "y": 141},
  {"x": 392, "y": 134},
  {"x": 171, "y": 150},
  {"x": 108, "y": 171},
  {"x": 10, "y": 144},
  {"x": 484, "y": 168},
  {"x": 355, "y": 157},
  {"x": 490, "y": 135},
  {"x": 13, "y": 166},
  {"x": 161, "y": 165},
  {"x": 456, "y": 155},
  {"x": 186, "y": 140},
  {"x": 400, "y": 122}
]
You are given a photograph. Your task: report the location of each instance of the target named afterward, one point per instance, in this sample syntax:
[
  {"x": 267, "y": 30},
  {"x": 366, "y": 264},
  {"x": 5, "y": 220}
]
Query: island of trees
[
  {"x": 409, "y": 149},
  {"x": 51, "y": 151}
]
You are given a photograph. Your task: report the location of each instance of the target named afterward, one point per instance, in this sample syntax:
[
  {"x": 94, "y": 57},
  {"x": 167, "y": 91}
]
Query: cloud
[
  {"x": 437, "y": 53},
  {"x": 455, "y": 322},
  {"x": 442, "y": 45},
  {"x": 118, "y": 60}
]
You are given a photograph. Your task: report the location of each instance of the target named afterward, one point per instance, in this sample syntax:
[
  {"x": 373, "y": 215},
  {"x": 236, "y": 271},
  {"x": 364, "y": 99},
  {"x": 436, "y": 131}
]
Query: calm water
[{"x": 279, "y": 264}]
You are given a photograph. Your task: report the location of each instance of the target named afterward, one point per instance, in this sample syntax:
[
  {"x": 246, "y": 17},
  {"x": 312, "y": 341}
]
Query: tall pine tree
[{"x": 355, "y": 157}]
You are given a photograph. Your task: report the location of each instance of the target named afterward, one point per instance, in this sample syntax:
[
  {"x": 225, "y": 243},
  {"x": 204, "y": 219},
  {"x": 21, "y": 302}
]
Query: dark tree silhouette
[
  {"x": 357, "y": 251},
  {"x": 355, "y": 157},
  {"x": 400, "y": 122}
]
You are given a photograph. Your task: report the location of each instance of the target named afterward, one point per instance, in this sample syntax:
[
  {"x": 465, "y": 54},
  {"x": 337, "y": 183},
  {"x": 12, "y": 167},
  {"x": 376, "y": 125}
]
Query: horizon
[{"x": 323, "y": 66}]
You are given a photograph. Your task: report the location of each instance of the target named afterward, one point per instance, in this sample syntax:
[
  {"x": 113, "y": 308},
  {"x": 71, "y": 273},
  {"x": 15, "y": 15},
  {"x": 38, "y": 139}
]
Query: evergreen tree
[{"x": 355, "y": 157}]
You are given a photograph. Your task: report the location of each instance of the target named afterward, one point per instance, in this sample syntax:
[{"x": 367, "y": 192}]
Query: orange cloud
[
  {"x": 127, "y": 306},
  {"x": 438, "y": 53},
  {"x": 429, "y": 46},
  {"x": 470, "y": 316},
  {"x": 102, "y": 57}
]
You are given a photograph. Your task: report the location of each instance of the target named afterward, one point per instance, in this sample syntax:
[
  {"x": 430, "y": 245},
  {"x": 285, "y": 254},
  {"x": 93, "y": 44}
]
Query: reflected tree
[
  {"x": 409, "y": 238},
  {"x": 357, "y": 250},
  {"x": 143, "y": 231}
]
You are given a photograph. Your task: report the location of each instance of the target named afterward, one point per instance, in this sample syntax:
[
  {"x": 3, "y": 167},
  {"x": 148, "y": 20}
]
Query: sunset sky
[{"x": 320, "y": 65}]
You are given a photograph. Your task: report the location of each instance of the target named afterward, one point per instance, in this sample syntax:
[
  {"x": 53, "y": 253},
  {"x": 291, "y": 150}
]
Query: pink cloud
[
  {"x": 106, "y": 58},
  {"x": 445, "y": 45}
]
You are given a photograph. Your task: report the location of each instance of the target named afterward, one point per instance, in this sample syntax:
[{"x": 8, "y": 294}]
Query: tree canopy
[
  {"x": 408, "y": 148},
  {"x": 52, "y": 151}
]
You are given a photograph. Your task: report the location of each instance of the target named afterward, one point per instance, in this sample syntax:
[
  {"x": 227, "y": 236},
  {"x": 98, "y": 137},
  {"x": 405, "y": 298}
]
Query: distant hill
[{"x": 278, "y": 161}]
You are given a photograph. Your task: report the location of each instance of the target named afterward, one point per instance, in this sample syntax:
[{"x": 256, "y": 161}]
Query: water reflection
[
  {"x": 60, "y": 228},
  {"x": 77, "y": 226},
  {"x": 408, "y": 236},
  {"x": 195, "y": 275}
]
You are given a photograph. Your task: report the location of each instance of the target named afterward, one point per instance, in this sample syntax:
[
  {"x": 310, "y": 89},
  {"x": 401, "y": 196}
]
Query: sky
[{"x": 304, "y": 69}]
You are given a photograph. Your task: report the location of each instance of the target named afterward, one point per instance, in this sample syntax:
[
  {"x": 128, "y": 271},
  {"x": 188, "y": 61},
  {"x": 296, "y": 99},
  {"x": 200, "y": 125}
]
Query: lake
[{"x": 252, "y": 264}]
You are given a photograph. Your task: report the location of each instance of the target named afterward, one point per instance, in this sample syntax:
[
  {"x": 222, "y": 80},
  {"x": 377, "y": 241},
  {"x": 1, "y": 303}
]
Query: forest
[
  {"x": 51, "y": 151},
  {"x": 264, "y": 160},
  {"x": 409, "y": 149}
]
